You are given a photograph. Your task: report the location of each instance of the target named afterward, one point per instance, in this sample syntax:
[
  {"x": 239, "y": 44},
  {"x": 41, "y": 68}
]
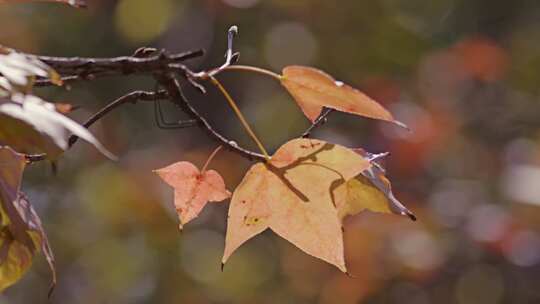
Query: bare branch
[
  {"x": 80, "y": 68},
  {"x": 171, "y": 85},
  {"x": 132, "y": 97}
]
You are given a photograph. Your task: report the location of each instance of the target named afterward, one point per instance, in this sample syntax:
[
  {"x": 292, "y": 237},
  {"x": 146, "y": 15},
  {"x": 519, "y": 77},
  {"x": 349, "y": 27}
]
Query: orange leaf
[
  {"x": 313, "y": 89},
  {"x": 292, "y": 195},
  {"x": 192, "y": 188}
]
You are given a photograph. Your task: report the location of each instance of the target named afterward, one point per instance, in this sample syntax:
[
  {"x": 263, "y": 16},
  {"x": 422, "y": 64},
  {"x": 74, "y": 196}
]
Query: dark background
[{"x": 463, "y": 74}]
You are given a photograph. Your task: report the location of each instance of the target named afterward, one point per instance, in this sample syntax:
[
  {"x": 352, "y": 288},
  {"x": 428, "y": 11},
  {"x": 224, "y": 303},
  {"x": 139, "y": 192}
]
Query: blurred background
[{"x": 463, "y": 74}]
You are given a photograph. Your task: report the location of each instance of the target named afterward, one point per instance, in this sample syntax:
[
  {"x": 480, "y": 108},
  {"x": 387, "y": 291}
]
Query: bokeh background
[{"x": 463, "y": 74}]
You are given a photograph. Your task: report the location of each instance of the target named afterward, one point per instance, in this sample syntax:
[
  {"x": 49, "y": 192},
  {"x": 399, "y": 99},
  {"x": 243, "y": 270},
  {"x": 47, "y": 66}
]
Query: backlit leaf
[
  {"x": 313, "y": 89},
  {"x": 18, "y": 71},
  {"x": 369, "y": 191},
  {"x": 292, "y": 195},
  {"x": 31, "y": 125}
]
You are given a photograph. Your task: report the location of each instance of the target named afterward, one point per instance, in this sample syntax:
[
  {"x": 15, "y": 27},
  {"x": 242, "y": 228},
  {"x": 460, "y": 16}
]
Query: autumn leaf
[
  {"x": 21, "y": 232},
  {"x": 369, "y": 191},
  {"x": 193, "y": 189},
  {"x": 292, "y": 195},
  {"x": 313, "y": 89},
  {"x": 31, "y": 125}
]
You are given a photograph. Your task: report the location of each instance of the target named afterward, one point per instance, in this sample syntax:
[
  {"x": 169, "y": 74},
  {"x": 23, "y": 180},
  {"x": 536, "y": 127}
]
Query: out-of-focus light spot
[
  {"x": 417, "y": 249},
  {"x": 241, "y": 3},
  {"x": 451, "y": 200},
  {"x": 524, "y": 249},
  {"x": 408, "y": 293},
  {"x": 290, "y": 43},
  {"x": 487, "y": 223},
  {"x": 422, "y": 17},
  {"x": 481, "y": 284},
  {"x": 201, "y": 253},
  {"x": 415, "y": 117},
  {"x": 520, "y": 151},
  {"x": 520, "y": 184},
  {"x": 483, "y": 58},
  {"x": 441, "y": 78},
  {"x": 141, "y": 20}
]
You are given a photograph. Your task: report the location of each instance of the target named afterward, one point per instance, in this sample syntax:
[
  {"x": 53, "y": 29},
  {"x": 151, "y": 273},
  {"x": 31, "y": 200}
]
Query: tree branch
[
  {"x": 171, "y": 85},
  {"x": 80, "y": 68},
  {"x": 132, "y": 97}
]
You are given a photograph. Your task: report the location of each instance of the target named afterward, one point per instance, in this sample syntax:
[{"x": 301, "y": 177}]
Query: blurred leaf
[
  {"x": 292, "y": 196},
  {"x": 21, "y": 233},
  {"x": 17, "y": 72},
  {"x": 193, "y": 188},
  {"x": 313, "y": 89},
  {"x": 30, "y": 125},
  {"x": 74, "y": 3}
]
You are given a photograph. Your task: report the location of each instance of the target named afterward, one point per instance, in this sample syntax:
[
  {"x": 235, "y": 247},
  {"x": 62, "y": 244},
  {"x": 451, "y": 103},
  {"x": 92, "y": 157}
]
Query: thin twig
[
  {"x": 132, "y": 97},
  {"x": 128, "y": 98},
  {"x": 240, "y": 116},
  {"x": 321, "y": 120},
  {"x": 210, "y": 158},
  {"x": 249, "y": 68},
  {"x": 171, "y": 85}
]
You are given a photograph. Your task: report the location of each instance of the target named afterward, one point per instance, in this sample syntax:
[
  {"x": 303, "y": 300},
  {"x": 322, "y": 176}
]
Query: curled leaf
[
  {"x": 369, "y": 191},
  {"x": 18, "y": 71},
  {"x": 292, "y": 195},
  {"x": 31, "y": 125},
  {"x": 193, "y": 189},
  {"x": 313, "y": 89},
  {"x": 21, "y": 232}
]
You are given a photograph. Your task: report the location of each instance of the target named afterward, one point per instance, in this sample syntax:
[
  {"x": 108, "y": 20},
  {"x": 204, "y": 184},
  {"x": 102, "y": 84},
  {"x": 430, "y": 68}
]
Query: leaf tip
[
  {"x": 401, "y": 124},
  {"x": 351, "y": 275},
  {"x": 51, "y": 290},
  {"x": 410, "y": 215}
]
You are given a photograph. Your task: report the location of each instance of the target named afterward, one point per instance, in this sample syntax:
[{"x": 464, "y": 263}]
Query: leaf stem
[
  {"x": 253, "y": 69},
  {"x": 210, "y": 158},
  {"x": 240, "y": 116}
]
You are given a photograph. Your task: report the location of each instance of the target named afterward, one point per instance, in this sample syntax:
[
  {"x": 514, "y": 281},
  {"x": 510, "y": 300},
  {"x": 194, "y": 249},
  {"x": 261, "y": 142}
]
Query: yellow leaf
[
  {"x": 21, "y": 232},
  {"x": 369, "y": 191},
  {"x": 359, "y": 195}
]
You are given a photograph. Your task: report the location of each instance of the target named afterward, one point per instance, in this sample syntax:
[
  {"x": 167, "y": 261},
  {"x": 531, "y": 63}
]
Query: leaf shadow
[{"x": 303, "y": 161}]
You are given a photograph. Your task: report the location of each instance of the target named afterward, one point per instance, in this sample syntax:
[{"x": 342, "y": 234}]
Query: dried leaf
[
  {"x": 21, "y": 232},
  {"x": 193, "y": 189},
  {"x": 313, "y": 89},
  {"x": 369, "y": 191},
  {"x": 292, "y": 195},
  {"x": 31, "y": 125}
]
